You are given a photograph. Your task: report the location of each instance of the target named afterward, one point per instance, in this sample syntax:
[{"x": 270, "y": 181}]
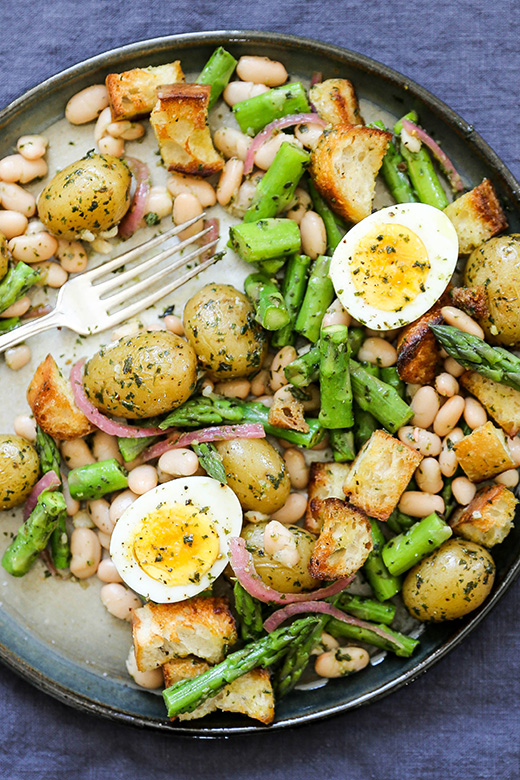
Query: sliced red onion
[
  {"x": 137, "y": 210},
  {"x": 217, "y": 433},
  {"x": 278, "y": 617},
  {"x": 443, "y": 159},
  {"x": 243, "y": 566},
  {"x": 278, "y": 124},
  {"x": 49, "y": 481},
  {"x": 212, "y": 235},
  {"x": 317, "y": 78},
  {"x": 104, "y": 424},
  {"x": 37, "y": 311}
]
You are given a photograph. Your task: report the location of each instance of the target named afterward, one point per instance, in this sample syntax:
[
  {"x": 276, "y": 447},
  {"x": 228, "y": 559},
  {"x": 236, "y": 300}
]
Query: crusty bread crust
[
  {"x": 484, "y": 453},
  {"x": 476, "y": 216},
  {"x": 287, "y": 411},
  {"x": 502, "y": 403},
  {"x": 418, "y": 352},
  {"x": 133, "y": 94},
  {"x": 345, "y": 540},
  {"x": 325, "y": 481},
  {"x": 336, "y": 102},
  {"x": 488, "y": 519}
]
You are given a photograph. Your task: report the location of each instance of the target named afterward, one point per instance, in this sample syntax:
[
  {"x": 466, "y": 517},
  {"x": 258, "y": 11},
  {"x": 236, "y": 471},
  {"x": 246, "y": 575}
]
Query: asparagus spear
[
  {"x": 34, "y": 534},
  {"x": 475, "y": 354},
  {"x": 217, "y": 72},
  {"x": 398, "y": 521},
  {"x": 49, "y": 456},
  {"x": 356, "y": 337},
  {"x": 365, "y": 426},
  {"x": 421, "y": 171},
  {"x": 391, "y": 376},
  {"x": 384, "y": 584},
  {"x": 380, "y": 399},
  {"x": 270, "y": 308},
  {"x": 16, "y": 283},
  {"x": 342, "y": 444},
  {"x": 293, "y": 290},
  {"x": 130, "y": 448},
  {"x": 275, "y": 190},
  {"x": 296, "y": 660},
  {"x": 271, "y": 267},
  {"x": 250, "y": 613},
  {"x": 187, "y": 695},
  {"x": 366, "y": 609},
  {"x": 393, "y": 170},
  {"x": 48, "y": 452},
  {"x": 306, "y": 368},
  {"x": 10, "y": 323},
  {"x": 334, "y": 234},
  {"x": 210, "y": 461},
  {"x": 405, "y": 550},
  {"x": 318, "y": 297},
  {"x": 255, "y": 113},
  {"x": 60, "y": 545},
  {"x": 400, "y": 644},
  {"x": 266, "y": 239},
  {"x": 97, "y": 479},
  {"x": 336, "y": 392}
]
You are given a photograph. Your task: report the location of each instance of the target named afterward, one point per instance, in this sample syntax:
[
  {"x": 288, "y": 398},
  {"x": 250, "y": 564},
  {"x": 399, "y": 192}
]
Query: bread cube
[
  {"x": 488, "y": 519},
  {"x": 133, "y": 94},
  {"x": 336, "y": 102},
  {"x": 287, "y": 411},
  {"x": 484, "y": 453},
  {"x": 502, "y": 403},
  {"x": 476, "y": 216},
  {"x": 418, "y": 352},
  {"x": 345, "y": 540},
  {"x": 325, "y": 481}
]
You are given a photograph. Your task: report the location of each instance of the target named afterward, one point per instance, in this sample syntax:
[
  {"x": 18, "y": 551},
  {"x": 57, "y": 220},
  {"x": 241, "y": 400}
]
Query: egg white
[
  {"x": 439, "y": 237},
  {"x": 219, "y": 504}
]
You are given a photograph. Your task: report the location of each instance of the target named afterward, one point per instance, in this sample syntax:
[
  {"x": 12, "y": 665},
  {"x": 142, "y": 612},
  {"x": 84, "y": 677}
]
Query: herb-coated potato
[
  {"x": 4, "y": 256},
  {"x": 287, "y": 579},
  {"x": 449, "y": 583},
  {"x": 220, "y": 325},
  {"x": 142, "y": 375},
  {"x": 19, "y": 470},
  {"x": 91, "y": 194},
  {"x": 496, "y": 266},
  {"x": 256, "y": 473}
]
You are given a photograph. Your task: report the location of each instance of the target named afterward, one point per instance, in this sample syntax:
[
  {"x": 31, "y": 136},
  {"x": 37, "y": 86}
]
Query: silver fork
[{"x": 86, "y": 308}]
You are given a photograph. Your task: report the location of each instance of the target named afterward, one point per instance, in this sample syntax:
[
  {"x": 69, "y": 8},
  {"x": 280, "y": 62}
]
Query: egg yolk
[
  {"x": 176, "y": 544},
  {"x": 389, "y": 267}
]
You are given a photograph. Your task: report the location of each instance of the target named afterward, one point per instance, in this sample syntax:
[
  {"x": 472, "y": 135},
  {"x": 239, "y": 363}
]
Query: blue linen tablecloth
[{"x": 460, "y": 720}]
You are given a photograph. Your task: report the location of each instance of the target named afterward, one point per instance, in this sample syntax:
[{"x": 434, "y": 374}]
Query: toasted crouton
[
  {"x": 502, "y": 403},
  {"x": 336, "y": 102},
  {"x": 488, "y": 518},
  {"x": 325, "y": 481},
  {"x": 344, "y": 543},
  {"x": 201, "y": 626},
  {"x": 380, "y": 474},
  {"x": 251, "y": 694},
  {"x": 133, "y": 93},
  {"x": 472, "y": 300},
  {"x": 50, "y": 397},
  {"x": 287, "y": 411},
  {"x": 180, "y": 123},
  {"x": 344, "y": 166},
  {"x": 484, "y": 453},
  {"x": 418, "y": 352},
  {"x": 476, "y": 216}
]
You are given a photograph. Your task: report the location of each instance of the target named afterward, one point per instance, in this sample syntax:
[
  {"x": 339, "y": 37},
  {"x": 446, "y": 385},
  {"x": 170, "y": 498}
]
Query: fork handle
[{"x": 31, "y": 328}]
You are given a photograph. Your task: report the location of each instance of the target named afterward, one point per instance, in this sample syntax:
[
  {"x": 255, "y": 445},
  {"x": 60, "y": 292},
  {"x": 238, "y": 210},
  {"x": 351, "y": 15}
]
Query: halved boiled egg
[
  {"x": 173, "y": 541},
  {"x": 395, "y": 264}
]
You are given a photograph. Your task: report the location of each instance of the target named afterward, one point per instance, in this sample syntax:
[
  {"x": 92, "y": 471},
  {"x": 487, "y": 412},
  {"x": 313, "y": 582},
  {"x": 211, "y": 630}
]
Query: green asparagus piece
[
  {"x": 34, "y": 534},
  {"x": 397, "y": 643},
  {"x": 130, "y": 448},
  {"x": 384, "y": 584},
  {"x": 9, "y": 324},
  {"x": 210, "y": 461},
  {"x": 187, "y": 695},
  {"x": 379, "y": 399},
  {"x": 342, "y": 444},
  {"x": 366, "y": 609},
  {"x": 293, "y": 290},
  {"x": 475, "y": 354},
  {"x": 305, "y": 369},
  {"x": 334, "y": 234},
  {"x": 421, "y": 171},
  {"x": 404, "y": 551},
  {"x": 217, "y": 72},
  {"x": 266, "y": 239},
  {"x": 255, "y": 113},
  {"x": 249, "y": 612},
  {"x": 270, "y": 309},
  {"x": 393, "y": 170},
  {"x": 48, "y": 452},
  {"x": 296, "y": 660},
  {"x": 370, "y": 368},
  {"x": 16, "y": 283},
  {"x": 412, "y": 116},
  {"x": 391, "y": 376},
  {"x": 336, "y": 392},
  {"x": 49, "y": 456},
  {"x": 356, "y": 337},
  {"x": 398, "y": 521},
  {"x": 97, "y": 479},
  {"x": 318, "y": 297},
  {"x": 447, "y": 495},
  {"x": 364, "y": 426},
  {"x": 276, "y": 189},
  {"x": 60, "y": 545},
  {"x": 271, "y": 267}
]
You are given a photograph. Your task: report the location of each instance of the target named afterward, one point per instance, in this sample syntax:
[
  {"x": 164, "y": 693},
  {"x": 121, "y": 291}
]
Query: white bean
[
  {"x": 418, "y": 439},
  {"x": 327, "y": 642},
  {"x": 86, "y": 105},
  {"x": 71, "y": 503},
  {"x": 234, "y": 388},
  {"x": 280, "y": 543},
  {"x": 72, "y": 256},
  {"x": 25, "y": 427},
  {"x": 296, "y": 468},
  {"x": 160, "y": 202},
  {"x": 120, "y": 504},
  {"x": 313, "y": 235},
  {"x": 230, "y": 181},
  {"x": 418, "y": 504},
  {"x": 32, "y": 147},
  {"x": 237, "y": 91},
  {"x": 514, "y": 449},
  {"x": 104, "y": 540},
  {"x": 119, "y": 128},
  {"x": 142, "y": 479},
  {"x": 17, "y": 309},
  {"x": 82, "y": 519},
  {"x": 446, "y": 384},
  {"x": 261, "y": 70},
  {"x": 336, "y": 315},
  {"x": 51, "y": 274},
  {"x": 308, "y": 135},
  {"x": 15, "y": 198},
  {"x": 425, "y": 404},
  {"x": 448, "y": 458},
  {"x": 12, "y": 224},
  {"x": 85, "y": 551},
  {"x": 185, "y": 207},
  {"x": 463, "y": 490},
  {"x": 244, "y": 198},
  {"x": 103, "y": 121},
  {"x": 104, "y": 447},
  {"x": 17, "y": 357},
  {"x": 267, "y": 152},
  {"x": 119, "y": 601},
  {"x": 260, "y": 383},
  {"x": 99, "y": 510},
  {"x": 150, "y": 680},
  {"x": 453, "y": 368},
  {"x": 474, "y": 413},
  {"x": 428, "y": 476},
  {"x": 76, "y": 453},
  {"x": 107, "y": 571},
  {"x": 508, "y": 478},
  {"x": 459, "y": 319},
  {"x": 341, "y": 661},
  {"x": 231, "y": 142},
  {"x": 179, "y": 463},
  {"x": 254, "y": 516},
  {"x": 379, "y": 352},
  {"x": 293, "y": 509},
  {"x": 15, "y": 168},
  {"x": 283, "y": 357},
  {"x": 174, "y": 324},
  {"x": 448, "y": 415},
  {"x": 183, "y": 184},
  {"x": 112, "y": 146},
  {"x": 33, "y": 248}
]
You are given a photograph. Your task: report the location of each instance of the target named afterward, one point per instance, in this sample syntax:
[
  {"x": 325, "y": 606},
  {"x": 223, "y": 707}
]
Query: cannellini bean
[
  {"x": 412, "y": 143},
  {"x": 448, "y": 459},
  {"x": 266, "y": 400},
  {"x": 463, "y": 490},
  {"x": 71, "y": 503},
  {"x": 112, "y": 146},
  {"x": 185, "y": 207},
  {"x": 418, "y": 439},
  {"x": 446, "y": 385},
  {"x": 378, "y": 351},
  {"x": 261, "y": 70},
  {"x": 280, "y": 544},
  {"x": 267, "y": 152},
  {"x": 254, "y": 516},
  {"x": 119, "y": 601},
  {"x": 107, "y": 571},
  {"x": 230, "y": 181},
  {"x": 15, "y": 167},
  {"x": 236, "y": 91},
  {"x": 86, "y": 105},
  {"x": 234, "y": 388},
  {"x": 103, "y": 121},
  {"x": 508, "y": 478},
  {"x": 313, "y": 234},
  {"x": 160, "y": 202},
  {"x": 282, "y": 358},
  {"x": 311, "y": 401},
  {"x": 412, "y": 389},
  {"x": 231, "y": 142},
  {"x": 322, "y": 445},
  {"x": 104, "y": 540},
  {"x": 12, "y": 224},
  {"x": 296, "y": 468},
  {"x": 17, "y": 357},
  {"x": 448, "y": 415},
  {"x": 33, "y": 248},
  {"x": 99, "y": 510},
  {"x": 308, "y": 135},
  {"x": 459, "y": 319},
  {"x": 82, "y": 519},
  {"x": 453, "y": 368},
  {"x": 418, "y": 504},
  {"x": 85, "y": 551},
  {"x": 32, "y": 147},
  {"x": 336, "y": 315},
  {"x": 142, "y": 479},
  {"x": 244, "y": 198},
  {"x": 51, "y": 274},
  {"x": 514, "y": 449},
  {"x": 174, "y": 324},
  {"x": 120, "y": 504},
  {"x": 105, "y": 447},
  {"x": 76, "y": 453},
  {"x": 292, "y": 511},
  {"x": 151, "y": 679},
  {"x": 15, "y": 198},
  {"x": 17, "y": 309},
  {"x": 425, "y": 404},
  {"x": 428, "y": 476},
  {"x": 260, "y": 383},
  {"x": 72, "y": 256},
  {"x": 327, "y": 642},
  {"x": 182, "y": 184},
  {"x": 25, "y": 427},
  {"x": 341, "y": 661},
  {"x": 120, "y": 128},
  {"x": 474, "y": 413},
  {"x": 207, "y": 387},
  {"x": 180, "y": 463}
]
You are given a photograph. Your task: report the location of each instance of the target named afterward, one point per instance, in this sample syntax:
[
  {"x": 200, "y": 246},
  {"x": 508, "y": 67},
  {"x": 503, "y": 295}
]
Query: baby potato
[
  {"x": 4, "y": 256},
  {"x": 220, "y": 324},
  {"x": 256, "y": 473},
  {"x": 142, "y": 375},
  {"x": 91, "y": 194},
  {"x": 293, "y": 579},
  {"x": 19, "y": 470},
  {"x": 451, "y": 582}
]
